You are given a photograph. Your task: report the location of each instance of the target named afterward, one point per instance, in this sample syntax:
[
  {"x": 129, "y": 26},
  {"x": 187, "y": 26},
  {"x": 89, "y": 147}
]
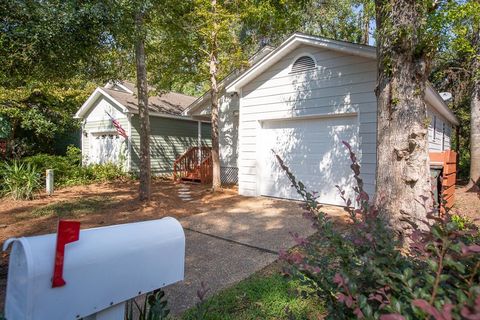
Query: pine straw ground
[
  {"x": 107, "y": 204},
  {"x": 467, "y": 204},
  {"x": 102, "y": 204}
]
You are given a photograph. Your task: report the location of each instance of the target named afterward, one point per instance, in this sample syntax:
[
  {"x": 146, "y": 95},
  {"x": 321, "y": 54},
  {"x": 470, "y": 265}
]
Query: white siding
[
  {"x": 340, "y": 84},
  {"x": 228, "y": 137},
  {"x": 439, "y": 131},
  {"x": 97, "y": 120}
]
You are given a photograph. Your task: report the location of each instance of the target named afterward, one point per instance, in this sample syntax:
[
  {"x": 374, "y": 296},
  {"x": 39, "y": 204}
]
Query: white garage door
[
  {"x": 105, "y": 148},
  {"x": 314, "y": 152}
]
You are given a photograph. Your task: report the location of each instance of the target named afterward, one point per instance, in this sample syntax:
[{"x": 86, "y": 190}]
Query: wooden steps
[{"x": 194, "y": 166}]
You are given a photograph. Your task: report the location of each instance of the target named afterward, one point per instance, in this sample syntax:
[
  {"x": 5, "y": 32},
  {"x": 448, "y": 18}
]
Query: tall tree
[
  {"x": 405, "y": 46},
  {"x": 214, "y": 25},
  {"x": 142, "y": 96},
  {"x": 223, "y": 33}
]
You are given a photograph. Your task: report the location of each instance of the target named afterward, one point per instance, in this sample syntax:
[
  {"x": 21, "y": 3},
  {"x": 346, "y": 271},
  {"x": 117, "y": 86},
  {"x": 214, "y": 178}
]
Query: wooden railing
[{"x": 195, "y": 165}]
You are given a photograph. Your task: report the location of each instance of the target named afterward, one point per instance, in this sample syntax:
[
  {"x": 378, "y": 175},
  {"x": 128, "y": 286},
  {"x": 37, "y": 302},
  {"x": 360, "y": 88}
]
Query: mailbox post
[{"x": 104, "y": 268}]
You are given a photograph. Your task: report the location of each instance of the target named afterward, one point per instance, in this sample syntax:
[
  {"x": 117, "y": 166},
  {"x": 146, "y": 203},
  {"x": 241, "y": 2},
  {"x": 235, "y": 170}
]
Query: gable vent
[{"x": 302, "y": 64}]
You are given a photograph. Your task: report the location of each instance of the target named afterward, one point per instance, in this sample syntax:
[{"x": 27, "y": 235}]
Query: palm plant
[{"x": 20, "y": 180}]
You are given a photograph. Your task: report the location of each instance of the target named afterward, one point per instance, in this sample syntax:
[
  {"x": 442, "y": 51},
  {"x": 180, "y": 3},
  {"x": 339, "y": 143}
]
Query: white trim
[
  {"x": 292, "y": 43},
  {"x": 436, "y": 102},
  {"x": 82, "y": 141},
  {"x": 111, "y": 84},
  {"x": 93, "y": 97},
  {"x": 123, "y": 87},
  {"x": 163, "y": 115}
]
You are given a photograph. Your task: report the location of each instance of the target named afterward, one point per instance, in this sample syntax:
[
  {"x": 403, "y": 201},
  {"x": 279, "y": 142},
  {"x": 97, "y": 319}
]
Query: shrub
[
  {"x": 68, "y": 169},
  {"x": 365, "y": 272},
  {"x": 20, "y": 180},
  {"x": 106, "y": 172}
]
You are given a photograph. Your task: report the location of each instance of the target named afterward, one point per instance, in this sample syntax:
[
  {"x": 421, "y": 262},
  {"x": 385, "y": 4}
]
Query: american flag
[{"x": 118, "y": 126}]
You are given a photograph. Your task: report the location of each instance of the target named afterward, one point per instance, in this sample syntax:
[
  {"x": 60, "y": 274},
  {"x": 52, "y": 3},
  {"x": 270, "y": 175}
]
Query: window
[
  {"x": 443, "y": 136},
  {"x": 304, "y": 63}
]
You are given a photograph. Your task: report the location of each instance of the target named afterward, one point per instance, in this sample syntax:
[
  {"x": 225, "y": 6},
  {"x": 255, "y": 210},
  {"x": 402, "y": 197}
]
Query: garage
[
  {"x": 312, "y": 148},
  {"x": 105, "y": 147}
]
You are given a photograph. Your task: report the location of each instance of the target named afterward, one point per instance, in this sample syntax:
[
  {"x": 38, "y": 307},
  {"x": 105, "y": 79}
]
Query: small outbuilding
[{"x": 110, "y": 128}]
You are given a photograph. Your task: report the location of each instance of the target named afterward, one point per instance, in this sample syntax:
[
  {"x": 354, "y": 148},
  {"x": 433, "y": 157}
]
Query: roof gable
[
  {"x": 292, "y": 43},
  {"x": 298, "y": 39},
  {"x": 87, "y": 105},
  {"x": 123, "y": 96}
]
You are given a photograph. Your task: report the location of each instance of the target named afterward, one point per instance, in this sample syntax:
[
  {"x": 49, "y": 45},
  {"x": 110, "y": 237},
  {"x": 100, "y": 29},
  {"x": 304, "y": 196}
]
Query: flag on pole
[{"x": 118, "y": 126}]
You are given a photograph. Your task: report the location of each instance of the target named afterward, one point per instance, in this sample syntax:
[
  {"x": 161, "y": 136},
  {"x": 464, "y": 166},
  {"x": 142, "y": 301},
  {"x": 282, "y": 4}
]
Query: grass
[
  {"x": 261, "y": 296},
  {"x": 75, "y": 207}
]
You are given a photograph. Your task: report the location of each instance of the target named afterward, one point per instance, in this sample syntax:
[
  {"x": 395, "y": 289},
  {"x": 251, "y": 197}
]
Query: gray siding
[
  {"x": 170, "y": 138},
  {"x": 340, "y": 84}
]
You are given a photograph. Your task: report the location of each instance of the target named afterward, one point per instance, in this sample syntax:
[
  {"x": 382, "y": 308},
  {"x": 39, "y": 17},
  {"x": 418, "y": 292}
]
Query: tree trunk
[
  {"x": 366, "y": 24},
  {"x": 403, "y": 191},
  {"x": 142, "y": 87},
  {"x": 475, "y": 116},
  {"x": 216, "y": 181}
]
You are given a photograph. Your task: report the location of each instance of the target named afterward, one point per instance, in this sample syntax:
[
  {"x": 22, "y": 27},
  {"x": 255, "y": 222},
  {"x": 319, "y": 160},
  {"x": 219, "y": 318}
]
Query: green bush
[
  {"x": 106, "y": 172},
  {"x": 20, "y": 180},
  {"x": 68, "y": 169},
  {"x": 365, "y": 272}
]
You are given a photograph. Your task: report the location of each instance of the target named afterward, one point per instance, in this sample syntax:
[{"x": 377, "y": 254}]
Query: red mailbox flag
[{"x": 68, "y": 231}]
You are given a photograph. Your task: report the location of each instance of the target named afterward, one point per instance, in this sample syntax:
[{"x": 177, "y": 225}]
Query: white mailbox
[{"x": 105, "y": 267}]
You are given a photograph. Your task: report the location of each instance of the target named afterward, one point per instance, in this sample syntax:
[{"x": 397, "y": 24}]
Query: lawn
[{"x": 266, "y": 294}]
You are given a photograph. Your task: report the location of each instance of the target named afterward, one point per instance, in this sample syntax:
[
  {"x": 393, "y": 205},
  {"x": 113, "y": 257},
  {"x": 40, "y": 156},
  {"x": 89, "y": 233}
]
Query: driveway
[{"x": 224, "y": 246}]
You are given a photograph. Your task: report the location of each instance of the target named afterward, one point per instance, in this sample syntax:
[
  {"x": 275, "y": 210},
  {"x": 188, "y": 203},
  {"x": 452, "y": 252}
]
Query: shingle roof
[{"x": 171, "y": 103}]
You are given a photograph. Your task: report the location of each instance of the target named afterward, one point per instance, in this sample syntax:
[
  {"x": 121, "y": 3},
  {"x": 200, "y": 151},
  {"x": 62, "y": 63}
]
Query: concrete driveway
[{"x": 227, "y": 245}]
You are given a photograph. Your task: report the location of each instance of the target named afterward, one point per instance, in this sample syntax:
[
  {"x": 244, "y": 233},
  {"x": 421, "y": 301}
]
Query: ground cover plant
[
  {"x": 19, "y": 180},
  {"x": 367, "y": 272},
  {"x": 264, "y": 295}
]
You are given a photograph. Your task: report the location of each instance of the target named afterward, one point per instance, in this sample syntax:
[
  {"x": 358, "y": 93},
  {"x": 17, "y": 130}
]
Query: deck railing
[{"x": 195, "y": 165}]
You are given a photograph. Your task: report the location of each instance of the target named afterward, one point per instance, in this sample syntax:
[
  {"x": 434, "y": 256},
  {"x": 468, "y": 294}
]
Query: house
[
  {"x": 110, "y": 128},
  {"x": 301, "y": 100}
]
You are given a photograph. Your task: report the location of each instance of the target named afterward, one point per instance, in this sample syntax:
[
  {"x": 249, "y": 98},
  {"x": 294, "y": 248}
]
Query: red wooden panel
[
  {"x": 436, "y": 157},
  {"x": 450, "y": 156},
  {"x": 449, "y": 169},
  {"x": 449, "y": 180}
]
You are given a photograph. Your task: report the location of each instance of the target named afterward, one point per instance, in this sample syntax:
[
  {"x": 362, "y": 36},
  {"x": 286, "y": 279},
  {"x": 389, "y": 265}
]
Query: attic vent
[{"x": 302, "y": 64}]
